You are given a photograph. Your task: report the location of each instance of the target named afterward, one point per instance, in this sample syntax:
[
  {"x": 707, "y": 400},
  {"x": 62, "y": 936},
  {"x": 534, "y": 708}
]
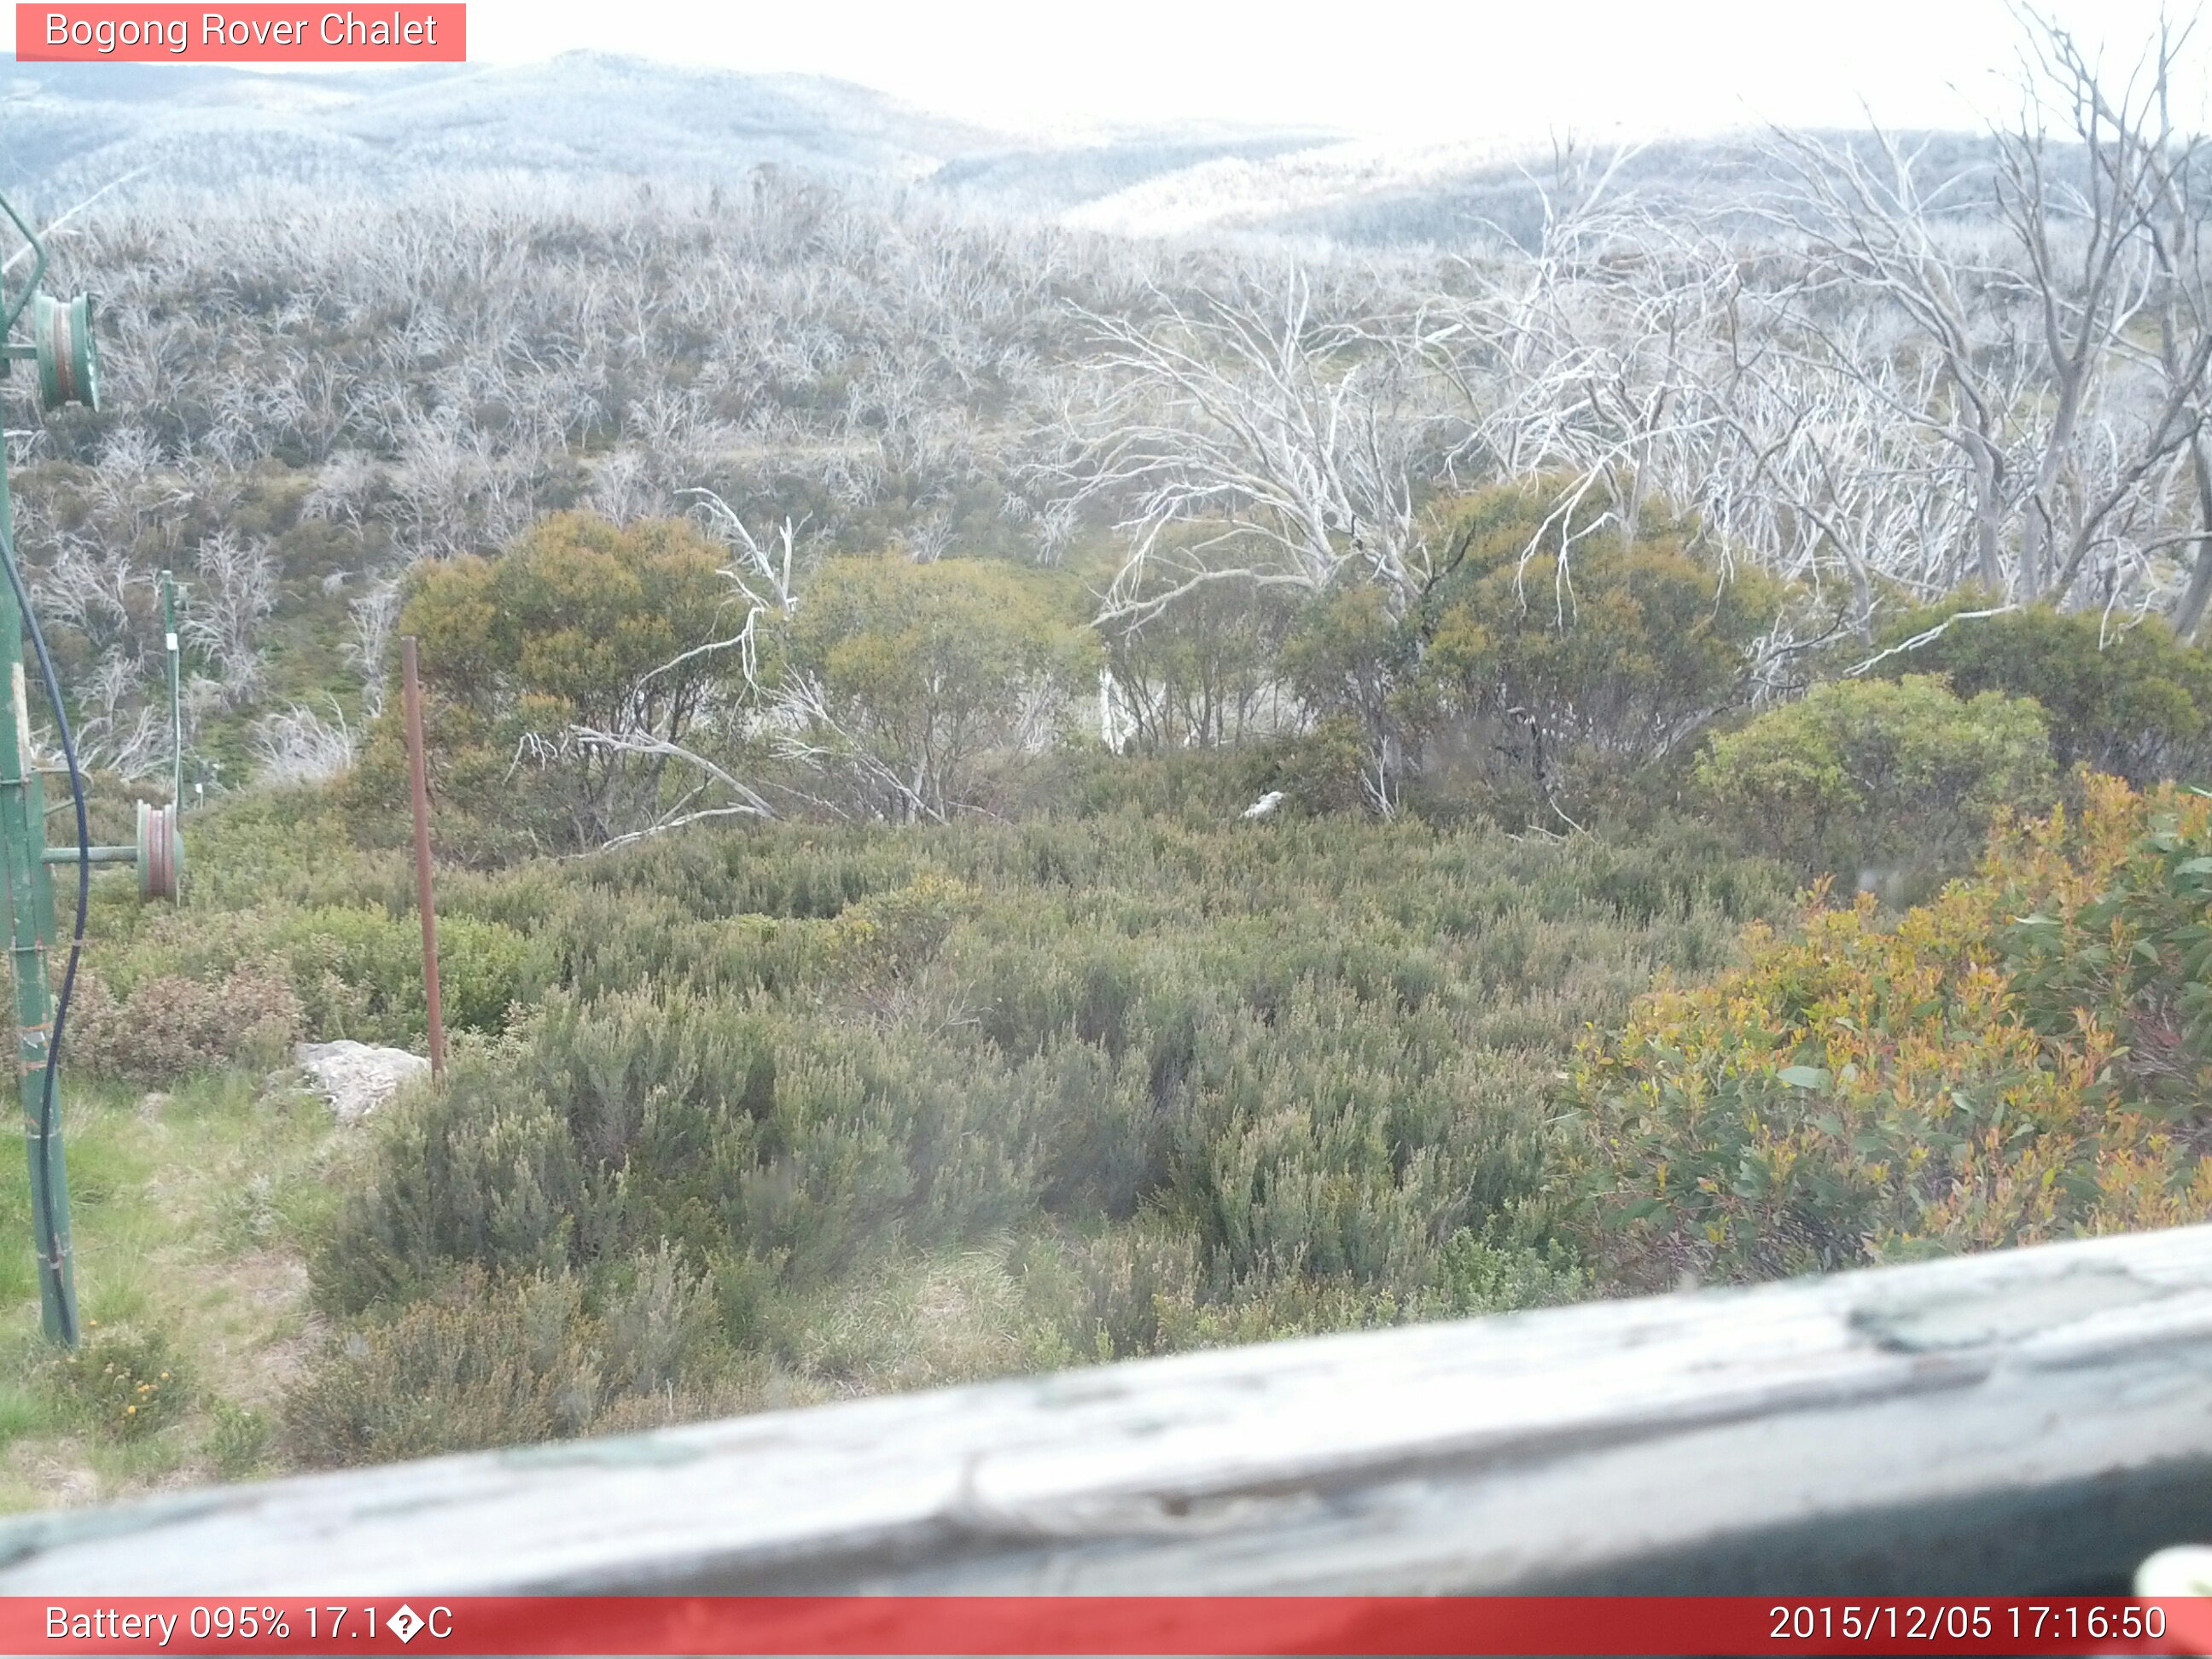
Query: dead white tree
[
  {"x": 742, "y": 800},
  {"x": 1254, "y": 443},
  {"x": 670, "y": 702},
  {"x": 375, "y": 615},
  {"x": 2007, "y": 310},
  {"x": 762, "y": 573},
  {"x": 237, "y": 590},
  {"x": 2139, "y": 149},
  {"x": 1591, "y": 356},
  {"x": 296, "y": 745},
  {"x": 807, "y": 729}
]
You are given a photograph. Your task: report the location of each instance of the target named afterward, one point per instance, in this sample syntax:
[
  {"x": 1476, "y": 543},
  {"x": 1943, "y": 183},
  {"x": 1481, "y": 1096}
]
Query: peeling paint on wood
[{"x": 2030, "y": 1420}]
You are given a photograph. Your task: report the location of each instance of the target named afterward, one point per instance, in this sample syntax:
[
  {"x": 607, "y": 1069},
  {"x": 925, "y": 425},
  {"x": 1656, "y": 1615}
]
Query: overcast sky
[{"x": 1389, "y": 67}]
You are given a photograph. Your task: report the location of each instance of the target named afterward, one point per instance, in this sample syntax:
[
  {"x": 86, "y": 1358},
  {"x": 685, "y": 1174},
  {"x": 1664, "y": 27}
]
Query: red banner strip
[
  {"x": 1084, "y": 1625},
  {"x": 260, "y": 34}
]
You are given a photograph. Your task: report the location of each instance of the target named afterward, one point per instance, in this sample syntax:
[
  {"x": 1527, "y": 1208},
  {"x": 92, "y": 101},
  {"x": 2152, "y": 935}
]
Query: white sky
[
  {"x": 1478, "y": 67},
  {"x": 1408, "y": 69}
]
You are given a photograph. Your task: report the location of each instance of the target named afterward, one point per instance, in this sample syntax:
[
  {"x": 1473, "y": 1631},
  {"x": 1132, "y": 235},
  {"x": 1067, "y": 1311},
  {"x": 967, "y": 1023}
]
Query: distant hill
[
  {"x": 67, "y": 127},
  {"x": 67, "y": 130}
]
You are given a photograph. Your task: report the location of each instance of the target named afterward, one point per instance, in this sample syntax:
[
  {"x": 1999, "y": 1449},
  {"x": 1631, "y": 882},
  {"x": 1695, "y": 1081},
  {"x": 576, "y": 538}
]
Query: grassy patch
[{"x": 189, "y": 1211}]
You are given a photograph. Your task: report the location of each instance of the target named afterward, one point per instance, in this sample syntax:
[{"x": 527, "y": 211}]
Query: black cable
[{"x": 51, "y": 1244}]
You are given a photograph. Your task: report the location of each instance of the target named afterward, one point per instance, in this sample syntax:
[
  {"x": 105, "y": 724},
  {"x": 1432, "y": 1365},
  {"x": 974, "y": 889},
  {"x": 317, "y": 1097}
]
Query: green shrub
[
  {"x": 1322, "y": 770},
  {"x": 169, "y": 1026},
  {"x": 1966, "y": 1080},
  {"x": 359, "y": 971},
  {"x": 1873, "y": 773},
  {"x": 492, "y": 1361},
  {"x": 571, "y": 625},
  {"x": 632, "y": 1120},
  {"x": 240, "y": 1441},
  {"x": 1553, "y": 643},
  {"x": 923, "y": 671},
  {"x": 1483, "y": 1275},
  {"x": 1179, "y": 1083},
  {"x": 891, "y": 937},
  {"x": 1203, "y": 671},
  {"x": 1352, "y": 657},
  {"x": 1546, "y": 657},
  {"x": 297, "y": 846},
  {"x": 472, "y": 1174},
  {"x": 351, "y": 970},
  {"x": 1192, "y": 787},
  {"x": 123, "y": 1381},
  {"x": 2129, "y": 700},
  {"x": 483, "y": 1365}
]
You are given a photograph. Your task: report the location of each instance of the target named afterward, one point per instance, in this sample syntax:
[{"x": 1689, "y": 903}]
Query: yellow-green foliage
[
  {"x": 1975, "y": 1076},
  {"x": 2130, "y": 700},
  {"x": 1548, "y": 657},
  {"x": 1603, "y": 642},
  {"x": 925, "y": 669},
  {"x": 895, "y": 935},
  {"x": 571, "y": 616},
  {"x": 1868, "y": 772},
  {"x": 566, "y": 627}
]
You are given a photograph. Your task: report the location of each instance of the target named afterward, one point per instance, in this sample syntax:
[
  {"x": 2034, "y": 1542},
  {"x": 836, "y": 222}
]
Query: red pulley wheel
[{"x": 160, "y": 852}]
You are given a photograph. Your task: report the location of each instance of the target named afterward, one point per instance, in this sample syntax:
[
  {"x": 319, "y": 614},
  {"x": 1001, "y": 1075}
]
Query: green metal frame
[
  {"x": 29, "y": 898},
  {"x": 68, "y": 370}
]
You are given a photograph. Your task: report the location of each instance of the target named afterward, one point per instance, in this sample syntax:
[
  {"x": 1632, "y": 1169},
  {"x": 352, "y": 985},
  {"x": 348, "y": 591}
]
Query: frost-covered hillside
[{"x": 68, "y": 130}]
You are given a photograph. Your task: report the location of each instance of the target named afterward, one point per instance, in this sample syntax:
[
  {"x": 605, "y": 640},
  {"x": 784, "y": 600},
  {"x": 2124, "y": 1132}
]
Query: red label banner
[
  {"x": 1086, "y": 1625},
  {"x": 261, "y": 33}
]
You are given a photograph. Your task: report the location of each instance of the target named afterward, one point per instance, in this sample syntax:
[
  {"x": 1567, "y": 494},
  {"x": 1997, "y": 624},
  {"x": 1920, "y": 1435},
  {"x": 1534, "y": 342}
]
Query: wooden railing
[{"x": 2036, "y": 1420}]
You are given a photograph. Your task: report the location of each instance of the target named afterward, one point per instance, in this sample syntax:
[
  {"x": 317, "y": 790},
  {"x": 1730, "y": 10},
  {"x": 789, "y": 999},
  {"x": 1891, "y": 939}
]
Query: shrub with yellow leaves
[{"x": 2024, "y": 1058}]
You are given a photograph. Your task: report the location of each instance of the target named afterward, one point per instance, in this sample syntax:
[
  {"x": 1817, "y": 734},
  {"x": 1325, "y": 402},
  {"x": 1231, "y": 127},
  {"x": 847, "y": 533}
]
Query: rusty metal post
[{"x": 420, "y": 784}]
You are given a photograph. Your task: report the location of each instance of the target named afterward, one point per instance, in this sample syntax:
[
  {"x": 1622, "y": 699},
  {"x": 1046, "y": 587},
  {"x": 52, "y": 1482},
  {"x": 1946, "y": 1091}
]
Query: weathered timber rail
[{"x": 2033, "y": 1421}]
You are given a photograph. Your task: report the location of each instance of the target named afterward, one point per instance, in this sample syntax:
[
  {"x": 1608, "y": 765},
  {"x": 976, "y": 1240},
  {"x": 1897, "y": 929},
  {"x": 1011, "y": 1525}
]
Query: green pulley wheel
[{"x": 69, "y": 362}]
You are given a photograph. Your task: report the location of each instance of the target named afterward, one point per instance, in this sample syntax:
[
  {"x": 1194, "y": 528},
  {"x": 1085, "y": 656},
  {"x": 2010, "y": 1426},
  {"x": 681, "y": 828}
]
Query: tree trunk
[{"x": 2188, "y": 615}]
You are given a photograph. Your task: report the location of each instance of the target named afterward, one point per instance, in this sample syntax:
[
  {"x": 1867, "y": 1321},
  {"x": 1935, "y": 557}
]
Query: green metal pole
[
  {"x": 176, "y": 702},
  {"x": 29, "y": 898},
  {"x": 99, "y": 855}
]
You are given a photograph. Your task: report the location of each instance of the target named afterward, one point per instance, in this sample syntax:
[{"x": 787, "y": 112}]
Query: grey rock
[{"x": 357, "y": 1077}]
